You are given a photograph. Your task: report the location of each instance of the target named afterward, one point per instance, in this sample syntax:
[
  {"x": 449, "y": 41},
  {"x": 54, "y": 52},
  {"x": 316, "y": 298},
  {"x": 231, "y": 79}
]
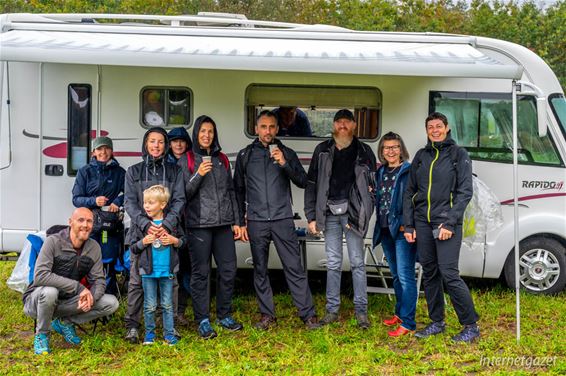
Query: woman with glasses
[{"x": 391, "y": 180}]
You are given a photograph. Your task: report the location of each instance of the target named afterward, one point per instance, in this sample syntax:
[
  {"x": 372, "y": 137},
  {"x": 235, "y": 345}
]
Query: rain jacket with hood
[
  {"x": 439, "y": 186},
  {"x": 179, "y": 133},
  {"x": 149, "y": 172},
  {"x": 211, "y": 199},
  {"x": 99, "y": 179}
]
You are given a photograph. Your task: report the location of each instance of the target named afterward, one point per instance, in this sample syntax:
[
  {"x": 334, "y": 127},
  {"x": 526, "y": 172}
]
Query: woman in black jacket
[{"x": 212, "y": 222}]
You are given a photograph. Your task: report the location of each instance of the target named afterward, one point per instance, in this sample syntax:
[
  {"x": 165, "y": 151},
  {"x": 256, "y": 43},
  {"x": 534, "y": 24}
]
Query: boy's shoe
[
  {"x": 171, "y": 340},
  {"x": 41, "y": 344},
  {"x": 431, "y": 329},
  {"x": 132, "y": 336},
  {"x": 468, "y": 335},
  {"x": 205, "y": 330},
  {"x": 312, "y": 323},
  {"x": 395, "y": 320},
  {"x": 363, "y": 321},
  {"x": 266, "y": 322},
  {"x": 67, "y": 331},
  {"x": 400, "y": 331},
  {"x": 329, "y": 318},
  {"x": 149, "y": 338},
  {"x": 229, "y": 323}
]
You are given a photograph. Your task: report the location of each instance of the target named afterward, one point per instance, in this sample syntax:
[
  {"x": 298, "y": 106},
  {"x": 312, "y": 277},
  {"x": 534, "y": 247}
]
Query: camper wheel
[{"x": 542, "y": 266}]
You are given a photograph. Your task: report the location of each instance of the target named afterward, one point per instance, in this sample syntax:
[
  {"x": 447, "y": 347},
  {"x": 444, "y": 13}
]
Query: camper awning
[{"x": 247, "y": 53}]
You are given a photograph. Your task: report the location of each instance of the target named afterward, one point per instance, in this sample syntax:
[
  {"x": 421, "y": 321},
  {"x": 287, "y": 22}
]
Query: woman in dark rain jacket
[{"x": 212, "y": 222}]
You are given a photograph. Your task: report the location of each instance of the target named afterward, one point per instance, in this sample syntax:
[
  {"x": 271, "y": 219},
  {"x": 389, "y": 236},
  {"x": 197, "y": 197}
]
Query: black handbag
[{"x": 110, "y": 222}]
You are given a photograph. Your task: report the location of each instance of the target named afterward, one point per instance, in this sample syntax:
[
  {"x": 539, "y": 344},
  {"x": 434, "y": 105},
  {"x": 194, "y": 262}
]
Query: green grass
[{"x": 289, "y": 349}]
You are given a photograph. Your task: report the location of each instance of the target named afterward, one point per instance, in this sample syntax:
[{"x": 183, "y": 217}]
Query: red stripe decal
[{"x": 533, "y": 197}]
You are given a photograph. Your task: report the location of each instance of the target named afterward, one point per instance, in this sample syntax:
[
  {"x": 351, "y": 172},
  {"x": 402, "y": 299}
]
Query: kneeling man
[{"x": 56, "y": 298}]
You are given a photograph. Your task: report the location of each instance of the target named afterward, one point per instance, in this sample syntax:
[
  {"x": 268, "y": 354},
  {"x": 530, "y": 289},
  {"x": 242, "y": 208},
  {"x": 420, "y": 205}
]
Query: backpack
[{"x": 191, "y": 161}]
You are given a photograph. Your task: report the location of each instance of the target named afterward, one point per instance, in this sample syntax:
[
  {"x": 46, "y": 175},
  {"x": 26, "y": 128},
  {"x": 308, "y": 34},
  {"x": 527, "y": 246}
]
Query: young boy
[{"x": 158, "y": 263}]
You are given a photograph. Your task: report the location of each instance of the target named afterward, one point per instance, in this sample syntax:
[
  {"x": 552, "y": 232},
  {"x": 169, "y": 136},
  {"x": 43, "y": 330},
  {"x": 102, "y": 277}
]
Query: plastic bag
[
  {"x": 19, "y": 279},
  {"x": 482, "y": 213}
]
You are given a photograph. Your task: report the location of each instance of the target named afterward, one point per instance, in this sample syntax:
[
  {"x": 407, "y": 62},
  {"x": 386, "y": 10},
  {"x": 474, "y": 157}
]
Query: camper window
[
  {"x": 558, "y": 104},
  {"x": 78, "y": 126},
  {"x": 165, "y": 107},
  {"x": 306, "y": 111},
  {"x": 482, "y": 122}
]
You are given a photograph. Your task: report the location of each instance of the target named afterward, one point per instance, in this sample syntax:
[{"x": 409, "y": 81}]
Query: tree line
[{"x": 540, "y": 29}]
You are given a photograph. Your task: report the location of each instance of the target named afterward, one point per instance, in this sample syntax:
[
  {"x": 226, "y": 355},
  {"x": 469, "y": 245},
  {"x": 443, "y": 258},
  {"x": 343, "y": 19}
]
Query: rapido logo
[{"x": 543, "y": 185}]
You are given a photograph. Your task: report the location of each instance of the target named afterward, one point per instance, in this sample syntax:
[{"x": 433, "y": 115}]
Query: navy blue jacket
[
  {"x": 99, "y": 179},
  {"x": 395, "y": 217}
]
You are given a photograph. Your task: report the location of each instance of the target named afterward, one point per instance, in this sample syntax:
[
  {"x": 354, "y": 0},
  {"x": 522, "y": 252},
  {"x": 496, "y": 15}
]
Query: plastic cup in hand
[
  {"x": 272, "y": 148},
  {"x": 207, "y": 158}
]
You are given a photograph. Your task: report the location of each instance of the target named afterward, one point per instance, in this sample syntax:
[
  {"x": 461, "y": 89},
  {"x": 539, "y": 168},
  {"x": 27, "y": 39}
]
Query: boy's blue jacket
[
  {"x": 395, "y": 217},
  {"x": 99, "y": 179}
]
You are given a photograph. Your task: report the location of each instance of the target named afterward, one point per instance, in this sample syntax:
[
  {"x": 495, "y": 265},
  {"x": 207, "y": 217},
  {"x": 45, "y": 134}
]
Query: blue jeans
[
  {"x": 401, "y": 257},
  {"x": 335, "y": 228},
  {"x": 150, "y": 303}
]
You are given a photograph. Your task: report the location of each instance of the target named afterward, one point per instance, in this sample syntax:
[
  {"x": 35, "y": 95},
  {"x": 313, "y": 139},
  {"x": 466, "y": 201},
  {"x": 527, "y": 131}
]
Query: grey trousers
[{"x": 44, "y": 305}]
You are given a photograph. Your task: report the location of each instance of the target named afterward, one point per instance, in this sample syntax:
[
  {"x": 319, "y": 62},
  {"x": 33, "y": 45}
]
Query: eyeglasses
[{"x": 394, "y": 148}]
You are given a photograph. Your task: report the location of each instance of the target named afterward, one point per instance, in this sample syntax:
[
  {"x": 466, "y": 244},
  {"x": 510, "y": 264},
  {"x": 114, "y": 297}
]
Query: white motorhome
[{"x": 67, "y": 78}]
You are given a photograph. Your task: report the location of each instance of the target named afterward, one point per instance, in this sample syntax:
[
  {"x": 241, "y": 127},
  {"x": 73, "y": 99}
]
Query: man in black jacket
[
  {"x": 262, "y": 178},
  {"x": 438, "y": 191},
  {"x": 339, "y": 201}
]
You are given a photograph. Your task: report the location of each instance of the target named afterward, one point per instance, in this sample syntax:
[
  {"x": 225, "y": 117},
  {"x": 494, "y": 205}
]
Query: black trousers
[
  {"x": 439, "y": 259},
  {"x": 204, "y": 243},
  {"x": 283, "y": 234}
]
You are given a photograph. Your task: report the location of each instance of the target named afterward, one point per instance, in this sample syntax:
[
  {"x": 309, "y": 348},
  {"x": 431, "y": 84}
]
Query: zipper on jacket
[
  {"x": 265, "y": 162},
  {"x": 430, "y": 182},
  {"x": 217, "y": 197}
]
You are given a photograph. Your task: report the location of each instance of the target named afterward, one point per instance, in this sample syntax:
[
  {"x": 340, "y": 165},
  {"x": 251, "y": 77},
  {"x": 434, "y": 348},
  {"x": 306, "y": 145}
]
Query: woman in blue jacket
[
  {"x": 391, "y": 180},
  {"x": 100, "y": 184}
]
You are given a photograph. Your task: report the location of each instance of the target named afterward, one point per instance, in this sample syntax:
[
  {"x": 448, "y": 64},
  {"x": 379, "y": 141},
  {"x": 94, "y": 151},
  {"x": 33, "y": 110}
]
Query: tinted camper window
[
  {"x": 483, "y": 123},
  {"x": 78, "y": 126},
  {"x": 308, "y": 111},
  {"x": 166, "y": 107}
]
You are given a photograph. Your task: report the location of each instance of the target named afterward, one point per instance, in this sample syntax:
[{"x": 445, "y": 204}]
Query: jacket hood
[
  {"x": 145, "y": 154},
  {"x": 180, "y": 133},
  {"x": 442, "y": 144},
  {"x": 215, "y": 147}
]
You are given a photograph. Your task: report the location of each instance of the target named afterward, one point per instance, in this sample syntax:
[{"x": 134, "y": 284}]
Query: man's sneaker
[
  {"x": 229, "y": 323},
  {"x": 400, "y": 331},
  {"x": 266, "y": 322},
  {"x": 41, "y": 344},
  {"x": 67, "y": 331},
  {"x": 312, "y": 323},
  {"x": 171, "y": 340},
  {"x": 363, "y": 321},
  {"x": 468, "y": 335},
  {"x": 132, "y": 336},
  {"x": 431, "y": 329},
  {"x": 205, "y": 330},
  {"x": 329, "y": 318},
  {"x": 149, "y": 338},
  {"x": 395, "y": 320}
]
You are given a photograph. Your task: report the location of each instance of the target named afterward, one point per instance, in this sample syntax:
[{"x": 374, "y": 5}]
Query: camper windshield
[{"x": 558, "y": 104}]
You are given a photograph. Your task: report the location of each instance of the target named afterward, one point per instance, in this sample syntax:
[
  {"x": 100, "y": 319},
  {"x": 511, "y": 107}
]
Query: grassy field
[{"x": 290, "y": 349}]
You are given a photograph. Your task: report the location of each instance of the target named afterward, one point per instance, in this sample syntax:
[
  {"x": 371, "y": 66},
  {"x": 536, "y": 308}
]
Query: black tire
[{"x": 542, "y": 264}]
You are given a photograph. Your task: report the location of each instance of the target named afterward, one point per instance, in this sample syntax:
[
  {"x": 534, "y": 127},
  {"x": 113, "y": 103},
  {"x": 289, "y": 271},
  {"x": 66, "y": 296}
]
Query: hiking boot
[
  {"x": 171, "y": 340},
  {"x": 468, "y": 335},
  {"x": 400, "y": 331},
  {"x": 67, "y": 331},
  {"x": 329, "y": 318},
  {"x": 41, "y": 344},
  {"x": 132, "y": 336},
  {"x": 229, "y": 323},
  {"x": 312, "y": 323},
  {"x": 395, "y": 320},
  {"x": 149, "y": 338},
  {"x": 205, "y": 330},
  {"x": 181, "y": 320},
  {"x": 363, "y": 321},
  {"x": 266, "y": 322},
  {"x": 431, "y": 329}
]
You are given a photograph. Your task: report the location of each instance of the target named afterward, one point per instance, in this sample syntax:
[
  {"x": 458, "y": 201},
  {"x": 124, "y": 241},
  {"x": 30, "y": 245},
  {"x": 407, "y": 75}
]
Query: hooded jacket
[
  {"x": 99, "y": 179},
  {"x": 262, "y": 187},
  {"x": 59, "y": 265},
  {"x": 149, "y": 172},
  {"x": 361, "y": 199},
  {"x": 211, "y": 200},
  {"x": 395, "y": 216},
  {"x": 179, "y": 133},
  {"x": 439, "y": 187}
]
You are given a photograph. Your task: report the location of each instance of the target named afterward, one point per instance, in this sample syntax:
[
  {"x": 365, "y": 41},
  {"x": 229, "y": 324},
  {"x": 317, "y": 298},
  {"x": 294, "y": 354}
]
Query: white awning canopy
[{"x": 238, "y": 52}]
